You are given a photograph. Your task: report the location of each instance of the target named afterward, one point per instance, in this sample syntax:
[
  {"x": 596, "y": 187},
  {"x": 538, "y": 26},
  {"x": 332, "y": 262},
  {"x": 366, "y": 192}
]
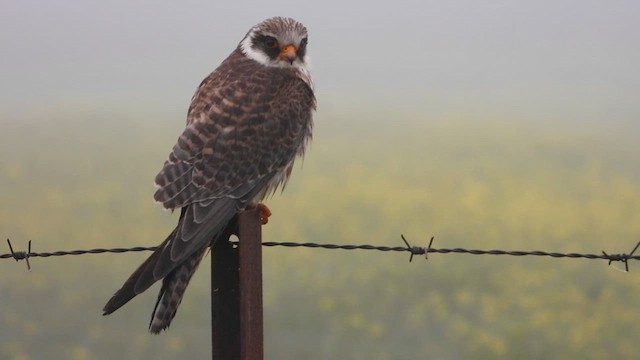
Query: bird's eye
[
  {"x": 270, "y": 42},
  {"x": 304, "y": 41}
]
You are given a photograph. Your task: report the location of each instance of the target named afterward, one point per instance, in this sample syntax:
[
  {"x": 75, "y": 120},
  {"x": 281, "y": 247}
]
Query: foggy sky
[{"x": 542, "y": 59}]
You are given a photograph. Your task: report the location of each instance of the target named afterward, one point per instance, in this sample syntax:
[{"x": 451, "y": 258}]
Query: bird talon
[{"x": 265, "y": 213}]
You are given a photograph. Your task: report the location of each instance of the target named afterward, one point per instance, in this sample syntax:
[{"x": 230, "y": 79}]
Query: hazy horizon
[
  {"x": 489, "y": 125},
  {"x": 533, "y": 59}
]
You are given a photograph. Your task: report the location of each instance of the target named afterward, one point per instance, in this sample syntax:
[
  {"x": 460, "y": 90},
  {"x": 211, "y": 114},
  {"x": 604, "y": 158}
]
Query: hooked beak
[{"x": 288, "y": 53}]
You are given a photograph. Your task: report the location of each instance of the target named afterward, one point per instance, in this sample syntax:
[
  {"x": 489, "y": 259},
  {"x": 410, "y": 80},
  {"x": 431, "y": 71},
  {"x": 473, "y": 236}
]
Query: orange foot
[{"x": 264, "y": 212}]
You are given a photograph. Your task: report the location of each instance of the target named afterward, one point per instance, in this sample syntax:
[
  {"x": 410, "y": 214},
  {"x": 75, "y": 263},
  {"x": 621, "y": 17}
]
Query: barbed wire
[{"x": 413, "y": 250}]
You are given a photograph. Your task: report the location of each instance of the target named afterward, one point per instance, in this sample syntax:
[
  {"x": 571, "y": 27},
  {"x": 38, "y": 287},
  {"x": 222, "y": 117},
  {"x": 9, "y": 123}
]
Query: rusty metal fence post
[{"x": 236, "y": 293}]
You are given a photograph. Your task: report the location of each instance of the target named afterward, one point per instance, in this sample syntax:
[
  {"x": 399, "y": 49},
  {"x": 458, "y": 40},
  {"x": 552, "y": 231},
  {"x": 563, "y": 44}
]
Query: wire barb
[
  {"x": 416, "y": 250},
  {"x": 622, "y": 257},
  {"x": 20, "y": 255},
  {"x": 426, "y": 253}
]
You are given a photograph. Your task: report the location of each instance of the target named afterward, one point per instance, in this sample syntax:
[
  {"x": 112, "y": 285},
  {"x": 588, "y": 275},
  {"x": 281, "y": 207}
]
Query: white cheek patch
[{"x": 252, "y": 53}]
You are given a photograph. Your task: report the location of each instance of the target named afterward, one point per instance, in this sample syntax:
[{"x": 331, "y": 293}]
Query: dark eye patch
[
  {"x": 268, "y": 44},
  {"x": 302, "y": 49}
]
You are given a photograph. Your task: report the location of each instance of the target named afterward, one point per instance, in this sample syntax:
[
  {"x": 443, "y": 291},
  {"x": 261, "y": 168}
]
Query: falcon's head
[{"x": 278, "y": 42}]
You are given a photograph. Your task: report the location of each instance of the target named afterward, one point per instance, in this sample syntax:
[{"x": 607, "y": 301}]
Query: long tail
[
  {"x": 146, "y": 274},
  {"x": 172, "y": 291},
  {"x": 176, "y": 259},
  {"x": 139, "y": 281},
  {"x": 170, "y": 296}
]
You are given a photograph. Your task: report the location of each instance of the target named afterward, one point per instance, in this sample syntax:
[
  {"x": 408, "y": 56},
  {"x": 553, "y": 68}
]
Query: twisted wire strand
[{"x": 413, "y": 250}]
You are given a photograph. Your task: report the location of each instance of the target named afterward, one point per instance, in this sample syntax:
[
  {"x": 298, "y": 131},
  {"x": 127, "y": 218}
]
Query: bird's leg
[{"x": 265, "y": 212}]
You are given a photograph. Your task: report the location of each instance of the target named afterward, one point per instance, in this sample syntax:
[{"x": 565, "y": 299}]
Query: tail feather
[
  {"x": 138, "y": 282},
  {"x": 154, "y": 268},
  {"x": 172, "y": 291},
  {"x": 177, "y": 258}
]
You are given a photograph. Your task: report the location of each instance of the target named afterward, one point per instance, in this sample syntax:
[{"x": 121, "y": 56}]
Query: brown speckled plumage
[{"x": 247, "y": 123}]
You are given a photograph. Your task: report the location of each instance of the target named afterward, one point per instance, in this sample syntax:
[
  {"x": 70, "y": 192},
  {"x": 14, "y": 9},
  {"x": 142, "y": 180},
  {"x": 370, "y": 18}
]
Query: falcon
[{"x": 247, "y": 123}]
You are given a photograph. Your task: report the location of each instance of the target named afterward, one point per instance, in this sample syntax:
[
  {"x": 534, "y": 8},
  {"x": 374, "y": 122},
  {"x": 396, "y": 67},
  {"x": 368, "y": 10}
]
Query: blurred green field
[{"x": 83, "y": 179}]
